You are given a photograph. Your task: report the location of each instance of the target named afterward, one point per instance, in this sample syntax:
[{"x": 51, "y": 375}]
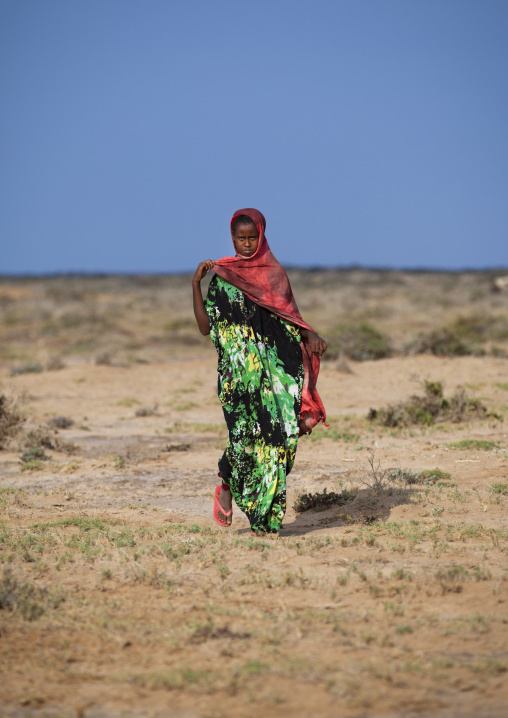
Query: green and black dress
[{"x": 260, "y": 388}]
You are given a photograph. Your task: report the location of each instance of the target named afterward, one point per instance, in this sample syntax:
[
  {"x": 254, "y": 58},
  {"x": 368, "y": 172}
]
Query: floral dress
[{"x": 260, "y": 379}]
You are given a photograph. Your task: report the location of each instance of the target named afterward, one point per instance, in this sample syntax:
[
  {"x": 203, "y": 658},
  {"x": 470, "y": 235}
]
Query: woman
[{"x": 268, "y": 366}]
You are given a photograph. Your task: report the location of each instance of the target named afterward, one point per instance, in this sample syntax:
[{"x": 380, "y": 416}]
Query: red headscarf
[{"x": 262, "y": 278}]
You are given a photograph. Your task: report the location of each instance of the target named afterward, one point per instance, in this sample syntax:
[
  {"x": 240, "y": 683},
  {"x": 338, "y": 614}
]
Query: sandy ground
[{"x": 121, "y": 596}]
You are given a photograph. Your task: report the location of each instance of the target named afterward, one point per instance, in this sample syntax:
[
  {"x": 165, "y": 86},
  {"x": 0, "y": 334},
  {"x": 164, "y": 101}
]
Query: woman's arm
[
  {"x": 317, "y": 344},
  {"x": 199, "y": 308}
]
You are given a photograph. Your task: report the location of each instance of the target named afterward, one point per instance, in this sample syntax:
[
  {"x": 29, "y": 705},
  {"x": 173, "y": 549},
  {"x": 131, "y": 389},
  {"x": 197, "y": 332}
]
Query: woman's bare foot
[{"x": 226, "y": 502}]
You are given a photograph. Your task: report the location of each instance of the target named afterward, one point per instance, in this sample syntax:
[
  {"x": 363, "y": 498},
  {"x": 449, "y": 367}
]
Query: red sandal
[{"x": 217, "y": 507}]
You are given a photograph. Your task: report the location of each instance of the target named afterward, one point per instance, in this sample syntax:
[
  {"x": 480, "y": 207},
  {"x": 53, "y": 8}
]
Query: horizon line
[{"x": 308, "y": 268}]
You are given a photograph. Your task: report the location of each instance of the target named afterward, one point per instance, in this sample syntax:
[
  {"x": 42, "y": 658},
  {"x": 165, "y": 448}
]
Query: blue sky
[{"x": 371, "y": 132}]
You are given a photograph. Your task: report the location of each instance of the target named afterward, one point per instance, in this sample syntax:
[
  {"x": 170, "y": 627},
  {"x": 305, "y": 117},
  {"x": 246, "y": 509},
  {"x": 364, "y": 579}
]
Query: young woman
[{"x": 268, "y": 362}]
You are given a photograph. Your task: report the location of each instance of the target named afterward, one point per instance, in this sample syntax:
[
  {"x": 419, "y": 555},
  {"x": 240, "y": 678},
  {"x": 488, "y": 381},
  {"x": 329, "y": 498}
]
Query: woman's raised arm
[{"x": 199, "y": 308}]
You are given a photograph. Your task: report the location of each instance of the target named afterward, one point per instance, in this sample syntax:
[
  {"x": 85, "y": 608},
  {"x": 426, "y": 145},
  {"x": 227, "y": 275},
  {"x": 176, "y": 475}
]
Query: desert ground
[{"x": 386, "y": 593}]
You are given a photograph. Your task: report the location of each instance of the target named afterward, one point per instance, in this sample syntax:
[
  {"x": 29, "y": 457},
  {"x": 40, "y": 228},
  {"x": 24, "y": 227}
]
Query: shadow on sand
[{"x": 366, "y": 507}]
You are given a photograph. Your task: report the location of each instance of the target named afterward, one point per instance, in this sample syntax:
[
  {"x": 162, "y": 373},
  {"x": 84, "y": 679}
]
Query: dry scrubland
[{"x": 386, "y": 594}]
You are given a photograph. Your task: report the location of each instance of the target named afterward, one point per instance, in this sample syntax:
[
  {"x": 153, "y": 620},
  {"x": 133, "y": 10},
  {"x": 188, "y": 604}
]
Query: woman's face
[{"x": 246, "y": 239}]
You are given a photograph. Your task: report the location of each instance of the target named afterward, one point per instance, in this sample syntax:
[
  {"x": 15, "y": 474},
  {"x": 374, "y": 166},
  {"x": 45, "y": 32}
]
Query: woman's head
[
  {"x": 247, "y": 230},
  {"x": 245, "y": 236}
]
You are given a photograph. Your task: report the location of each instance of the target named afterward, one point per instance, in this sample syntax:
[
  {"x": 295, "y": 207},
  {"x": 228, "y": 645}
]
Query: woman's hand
[
  {"x": 317, "y": 344},
  {"x": 202, "y": 270}
]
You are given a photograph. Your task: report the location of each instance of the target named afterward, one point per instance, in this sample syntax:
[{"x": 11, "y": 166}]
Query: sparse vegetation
[{"x": 396, "y": 587}]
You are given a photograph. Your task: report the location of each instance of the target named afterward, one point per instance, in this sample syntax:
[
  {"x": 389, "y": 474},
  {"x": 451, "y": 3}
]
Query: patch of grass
[
  {"x": 431, "y": 408},
  {"x": 451, "y": 579},
  {"x": 128, "y": 402},
  {"x": 334, "y": 434},
  {"x": 33, "y": 459},
  {"x": 185, "y": 406},
  {"x": 502, "y": 385},
  {"x": 35, "y": 465},
  {"x": 404, "y": 629},
  {"x": 323, "y": 500},
  {"x": 476, "y": 444},
  {"x": 499, "y": 489}
]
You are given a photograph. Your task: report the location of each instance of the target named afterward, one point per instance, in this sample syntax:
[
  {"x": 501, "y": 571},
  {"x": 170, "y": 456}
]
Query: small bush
[
  {"x": 30, "y": 368},
  {"x": 360, "y": 342},
  {"x": 430, "y": 408},
  {"x": 103, "y": 359},
  {"x": 60, "y": 422},
  {"x": 323, "y": 500},
  {"x": 35, "y": 453}
]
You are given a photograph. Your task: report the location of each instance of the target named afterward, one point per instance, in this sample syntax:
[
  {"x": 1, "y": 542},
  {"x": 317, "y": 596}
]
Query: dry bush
[
  {"x": 55, "y": 363},
  {"x": 11, "y": 419},
  {"x": 323, "y": 500},
  {"x": 46, "y": 437},
  {"x": 463, "y": 337},
  {"x": 27, "y": 599},
  {"x": 431, "y": 408}
]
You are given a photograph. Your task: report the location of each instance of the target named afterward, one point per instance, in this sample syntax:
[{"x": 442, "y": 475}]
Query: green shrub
[
  {"x": 360, "y": 342},
  {"x": 430, "y": 408}
]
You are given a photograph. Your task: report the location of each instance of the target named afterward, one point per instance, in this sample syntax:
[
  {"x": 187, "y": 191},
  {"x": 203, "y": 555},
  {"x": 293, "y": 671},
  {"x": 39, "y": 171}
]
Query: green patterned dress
[{"x": 260, "y": 387}]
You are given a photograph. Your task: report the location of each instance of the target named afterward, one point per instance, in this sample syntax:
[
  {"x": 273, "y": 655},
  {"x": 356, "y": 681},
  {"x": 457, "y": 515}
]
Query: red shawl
[{"x": 262, "y": 278}]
